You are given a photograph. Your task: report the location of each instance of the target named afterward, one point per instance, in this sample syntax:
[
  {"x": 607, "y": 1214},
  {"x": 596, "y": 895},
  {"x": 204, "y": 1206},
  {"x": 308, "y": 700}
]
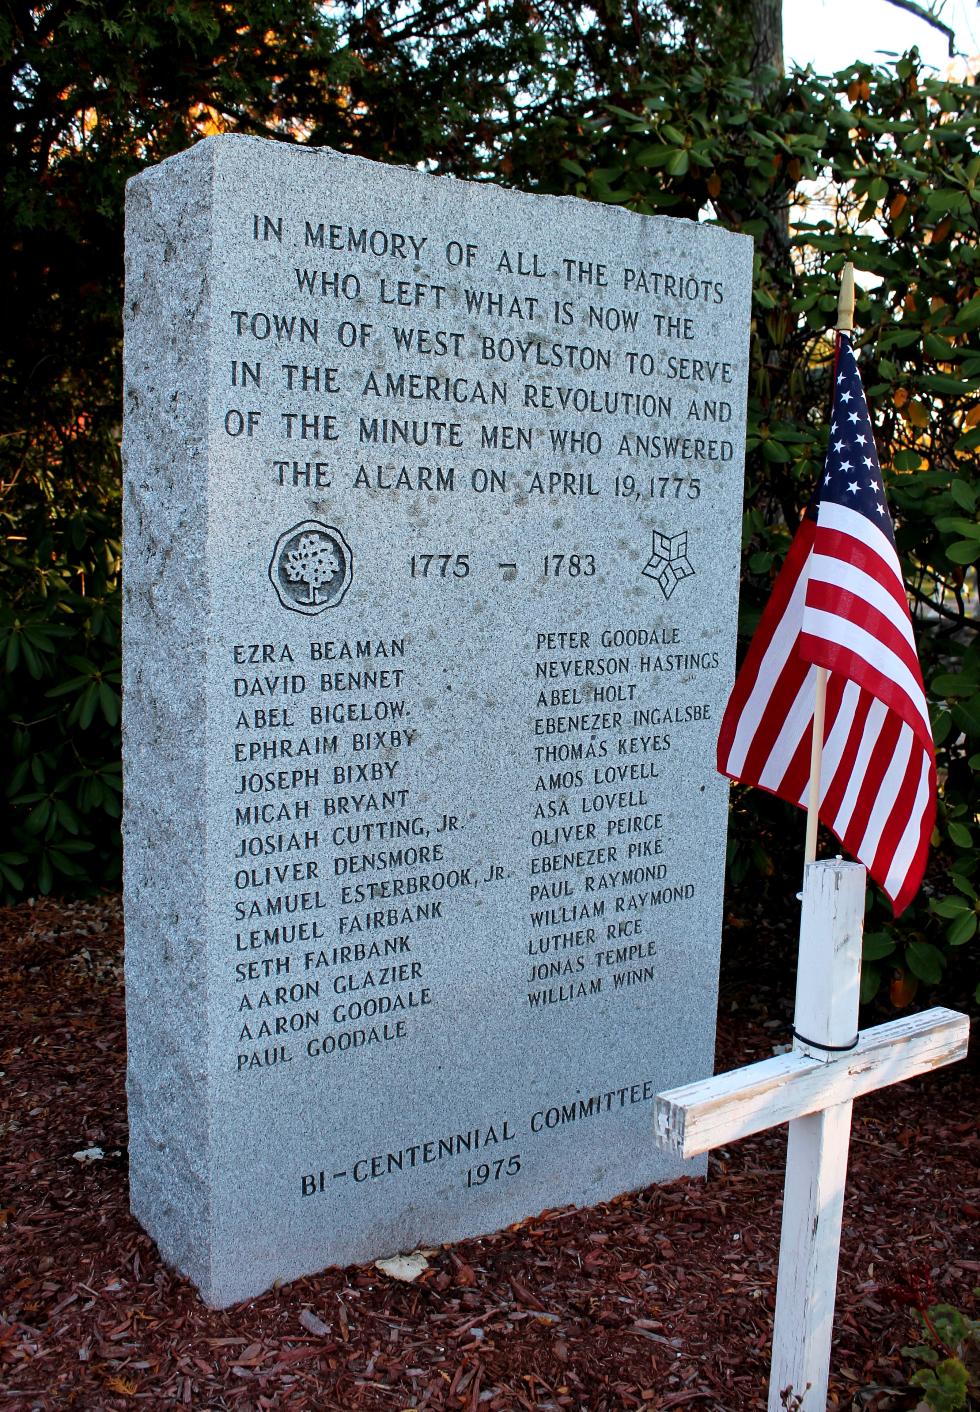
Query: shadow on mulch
[{"x": 661, "y": 1299}]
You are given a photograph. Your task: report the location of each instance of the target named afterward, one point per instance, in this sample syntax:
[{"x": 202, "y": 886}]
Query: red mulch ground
[{"x": 658, "y": 1300}]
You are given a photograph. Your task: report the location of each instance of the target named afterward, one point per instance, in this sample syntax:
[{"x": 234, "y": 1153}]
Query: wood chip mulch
[{"x": 661, "y": 1299}]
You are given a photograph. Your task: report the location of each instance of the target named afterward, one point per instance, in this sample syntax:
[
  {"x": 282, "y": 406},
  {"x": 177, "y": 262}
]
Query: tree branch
[
  {"x": 960, "y": 619},
  {"x": 930, "y": 19}
]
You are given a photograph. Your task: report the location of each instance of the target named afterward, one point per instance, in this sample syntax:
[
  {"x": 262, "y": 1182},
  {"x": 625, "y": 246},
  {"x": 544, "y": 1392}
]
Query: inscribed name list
[{"x": 433, "y": 503}]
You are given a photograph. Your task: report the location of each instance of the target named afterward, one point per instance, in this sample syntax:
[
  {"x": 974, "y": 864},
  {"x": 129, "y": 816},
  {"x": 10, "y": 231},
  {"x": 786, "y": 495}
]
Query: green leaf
[
  {"x": 870, "y": 983},
  {"x": 775, "y": 451},
  {"x": 63, "y": 688},
  {"x": 969, "y": 441},
  {"x": 942, "y": 382},
  {"x": 31, "y": 659},
  {"x": 942, "y": 722},
  {"x": 968, "y": 315},
  {"x": 950, "y": 524},
  {"x": 952, "y": 684},
  {"x": 65, "y": 865},
  {"x": 950, "y": 907},
  {"x": 959, "y": 833},
  {"x": 38, "y": 818},
  {"x": 87, "y": 703},
  {"x": 962, "y": 930},
  {"x": 679, "y": 163},
  {"x": 624, "y": 112},
  {"x": 951, "y": 1325},
  {"x": 877, "y": 945},
  {"x": 963, "y": 551},
  {"x": 945, "y": 1386},
  {"x": 921, "y": 1352},
  {"x": 65, "y": 816},
  {"x": 655, "y": 156},
  {"x": 109, "y": 701},
  {"x": 963, "y": 494},
  {"x": 966, "y": 716},
  {"x": 925, "y": 961},
  {"x": 906, "y": 460},
  {"x": 939, "y": 348},
  {"x": 45, "y": 876}
]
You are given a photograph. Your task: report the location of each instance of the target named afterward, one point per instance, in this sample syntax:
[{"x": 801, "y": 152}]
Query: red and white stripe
[{"x": 839, "y": 603}]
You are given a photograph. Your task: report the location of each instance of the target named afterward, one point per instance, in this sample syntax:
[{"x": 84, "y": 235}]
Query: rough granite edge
[
  {"x": 491, "y": 188},
  {"x": 165, "y": 620}
]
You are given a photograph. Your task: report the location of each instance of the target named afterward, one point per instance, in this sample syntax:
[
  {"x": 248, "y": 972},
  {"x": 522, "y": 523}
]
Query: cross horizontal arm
[{"x": 719, "y": 1110}]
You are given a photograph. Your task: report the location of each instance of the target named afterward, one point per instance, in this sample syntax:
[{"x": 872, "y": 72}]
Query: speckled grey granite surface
[
  {"x": 423, "y": 841},
  {"x": 166, "y": 607}
]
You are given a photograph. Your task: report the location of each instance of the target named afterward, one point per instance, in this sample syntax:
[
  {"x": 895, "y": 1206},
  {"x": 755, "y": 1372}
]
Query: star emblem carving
[{"x": 668, "y": 564}]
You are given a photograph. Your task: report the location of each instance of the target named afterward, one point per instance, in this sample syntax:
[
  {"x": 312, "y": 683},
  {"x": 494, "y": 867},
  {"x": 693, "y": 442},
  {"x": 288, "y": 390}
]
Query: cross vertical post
[{"x": 827, "y": 995}]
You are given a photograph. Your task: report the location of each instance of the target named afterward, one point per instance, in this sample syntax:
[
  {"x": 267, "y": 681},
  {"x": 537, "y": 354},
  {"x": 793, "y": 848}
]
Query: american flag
[{"x": 839, "y": 602}]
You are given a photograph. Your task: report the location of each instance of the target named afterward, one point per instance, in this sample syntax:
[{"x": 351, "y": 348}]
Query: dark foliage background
[{"x": 661, "y": 108}]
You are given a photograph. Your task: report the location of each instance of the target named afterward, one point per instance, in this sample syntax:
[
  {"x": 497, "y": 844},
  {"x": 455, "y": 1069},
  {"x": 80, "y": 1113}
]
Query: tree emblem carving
[
  {"x": 313, "y": 561},
  {"x": 311, "y": 567}
]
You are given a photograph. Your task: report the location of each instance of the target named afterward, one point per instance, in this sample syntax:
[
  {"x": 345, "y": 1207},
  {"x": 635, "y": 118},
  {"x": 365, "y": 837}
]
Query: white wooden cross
[{"x": 812, "y": 1088}]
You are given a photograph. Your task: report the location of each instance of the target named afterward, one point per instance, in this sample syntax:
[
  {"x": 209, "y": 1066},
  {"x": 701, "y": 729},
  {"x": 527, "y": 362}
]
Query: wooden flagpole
[
  {"x": 845, "y": 323},
  {"x": 828, "y": 981}
]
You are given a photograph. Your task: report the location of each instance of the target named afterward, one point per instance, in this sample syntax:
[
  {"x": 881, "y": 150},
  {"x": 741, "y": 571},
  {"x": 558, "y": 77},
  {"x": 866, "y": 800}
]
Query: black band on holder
[{"x": 827, "y": 1048}]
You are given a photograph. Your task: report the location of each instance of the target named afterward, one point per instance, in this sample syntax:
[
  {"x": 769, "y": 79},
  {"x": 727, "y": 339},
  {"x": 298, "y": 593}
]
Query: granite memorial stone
[{"x": 432, "y": 526}]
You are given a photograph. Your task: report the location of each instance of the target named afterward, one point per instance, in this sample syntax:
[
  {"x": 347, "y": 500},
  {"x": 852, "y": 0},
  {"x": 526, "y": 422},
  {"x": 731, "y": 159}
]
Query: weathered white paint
[
  {"x": 828, "y": 974},
  {"x": 809, "y": 1247},
  {"x": 828, "y": 985},
  {"x": 720, "y": 1110},
  {"x": 813, "y": 1090}
]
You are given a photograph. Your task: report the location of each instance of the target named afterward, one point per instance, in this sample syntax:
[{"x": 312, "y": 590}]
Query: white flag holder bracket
[{"x": 812, "y": 1088}]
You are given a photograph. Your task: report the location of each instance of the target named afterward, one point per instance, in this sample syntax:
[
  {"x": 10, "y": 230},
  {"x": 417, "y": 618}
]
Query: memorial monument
[{"x": 432, "y": 528}]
